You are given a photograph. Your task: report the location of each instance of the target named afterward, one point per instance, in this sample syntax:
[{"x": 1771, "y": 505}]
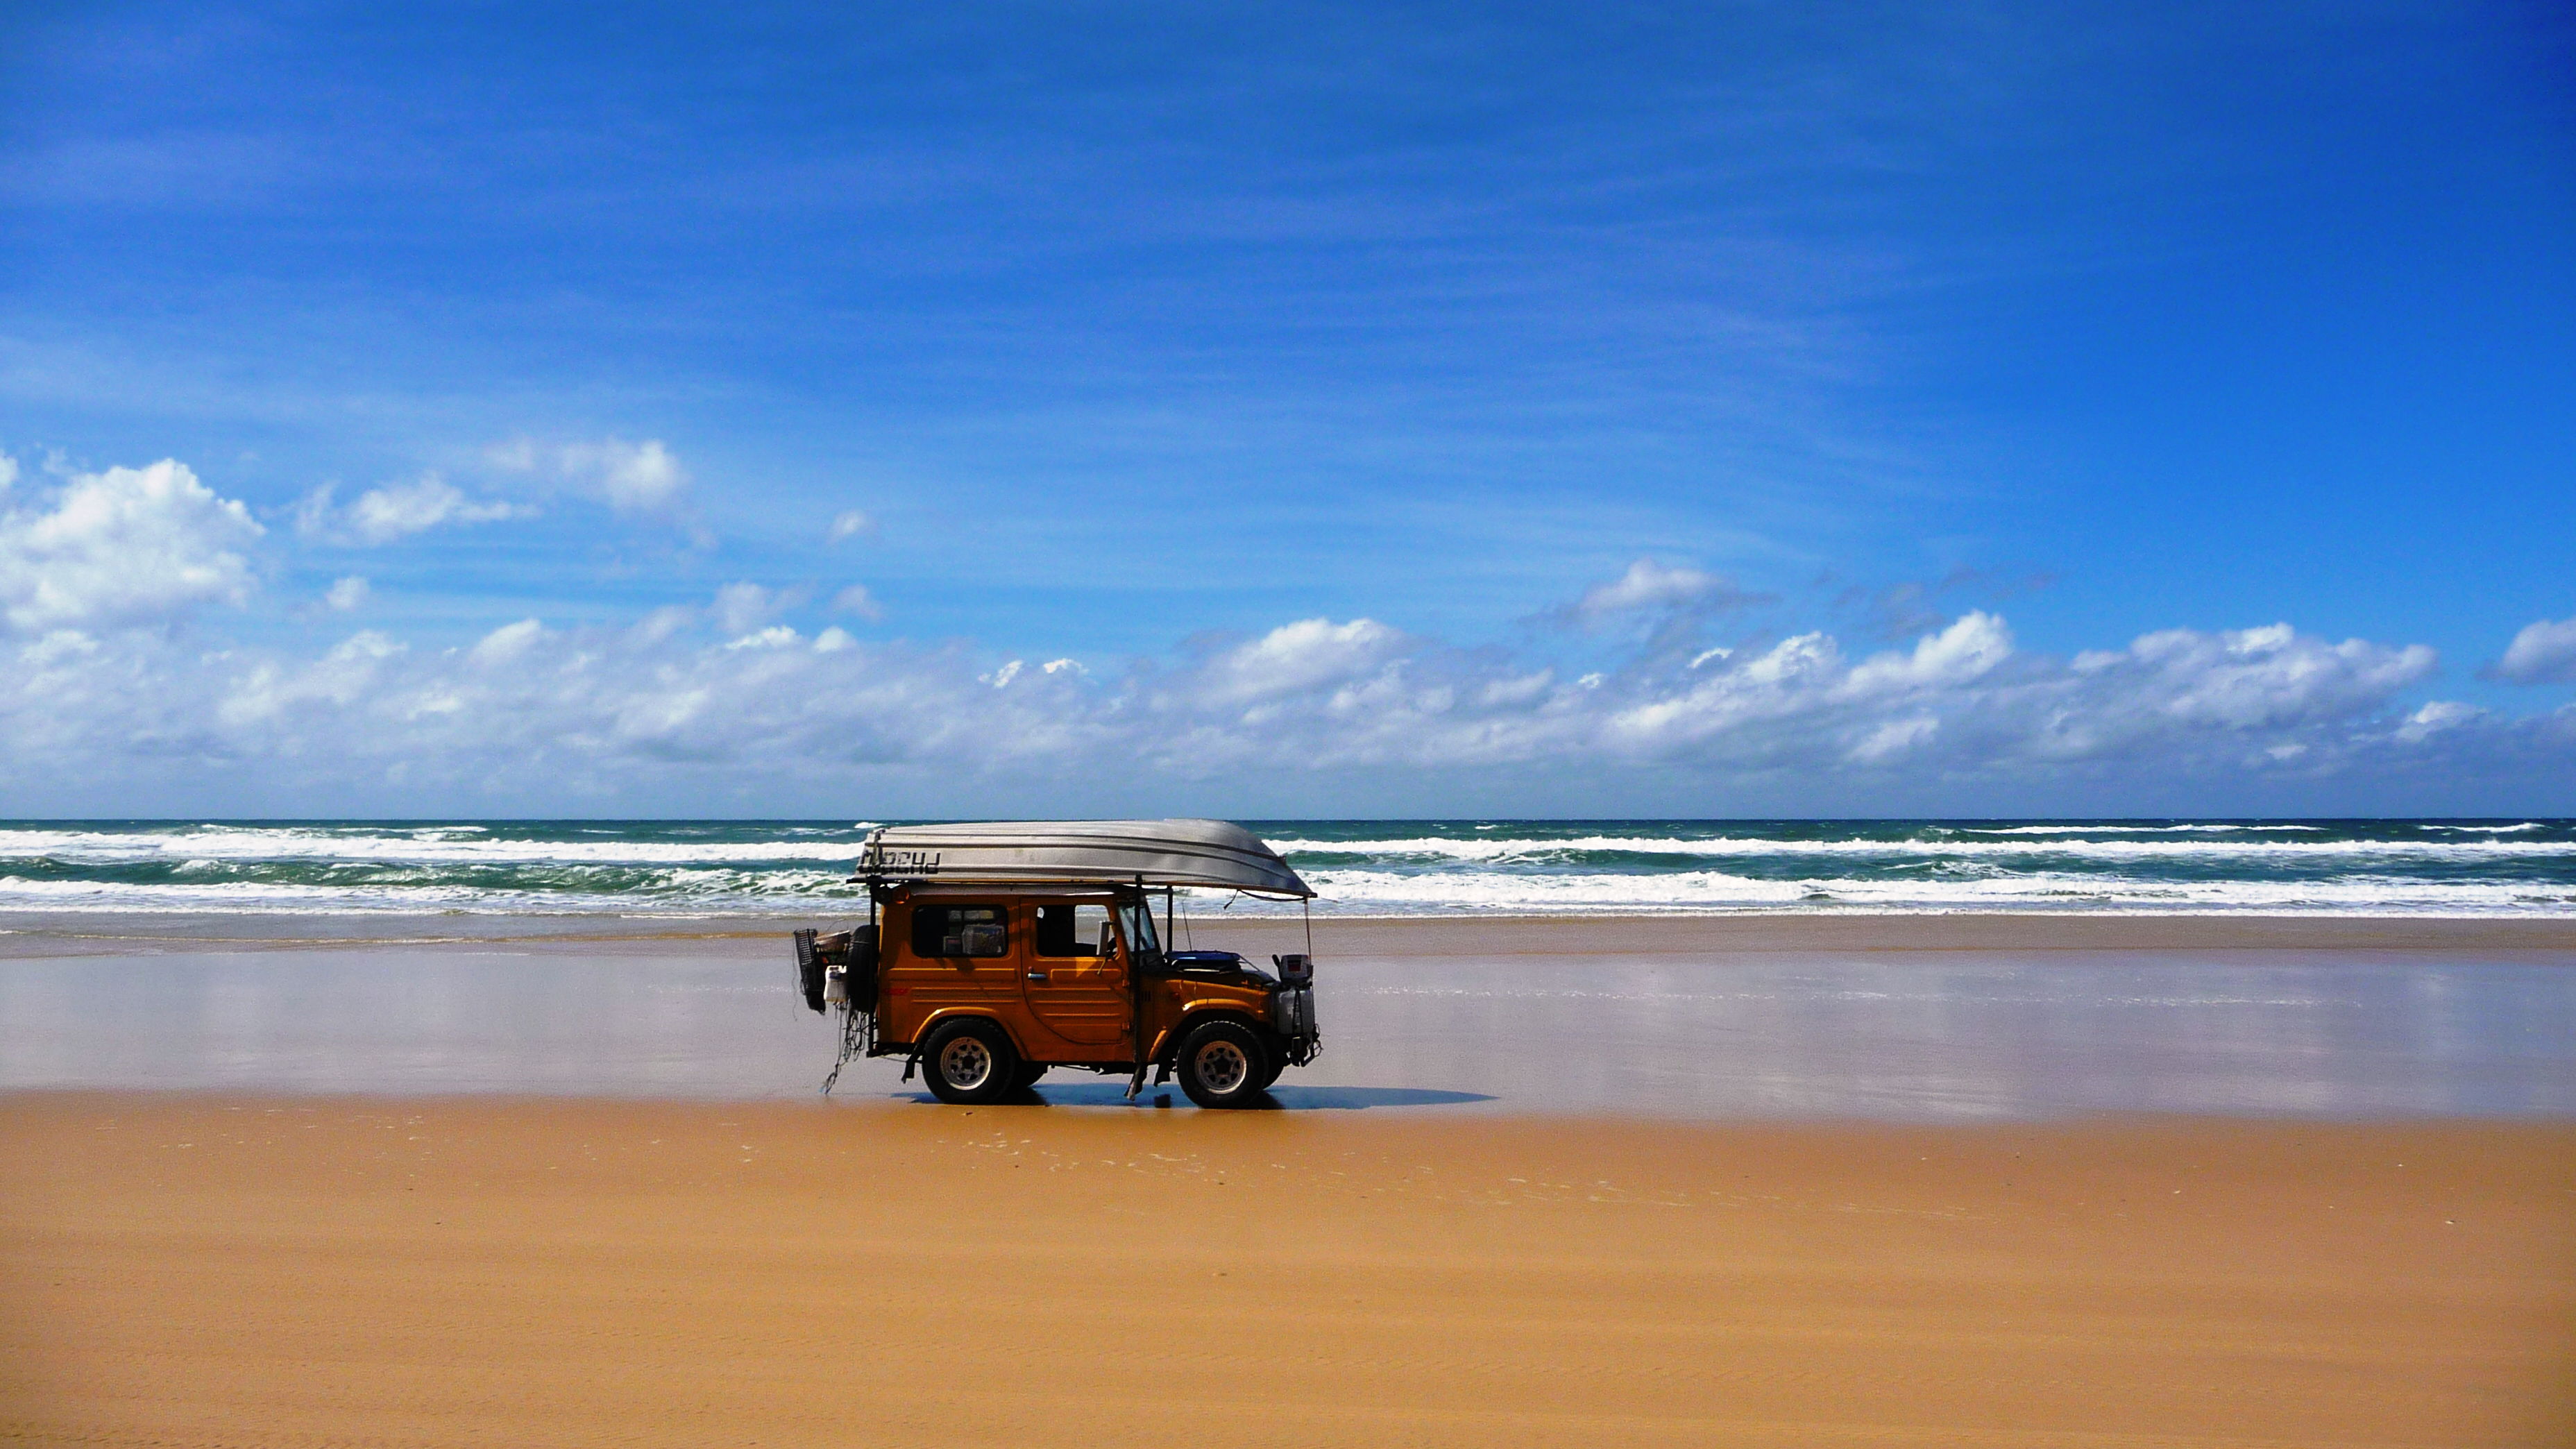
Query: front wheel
[
  {"x": 969, "y": 1063},
  {"x": 1221, "y": 1065}
]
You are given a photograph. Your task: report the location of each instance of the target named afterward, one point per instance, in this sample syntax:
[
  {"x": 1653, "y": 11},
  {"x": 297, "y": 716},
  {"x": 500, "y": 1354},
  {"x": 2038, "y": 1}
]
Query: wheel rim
[
  {"x": 965, "y": 1062},
  {"x": 1221, "y": 1066}
]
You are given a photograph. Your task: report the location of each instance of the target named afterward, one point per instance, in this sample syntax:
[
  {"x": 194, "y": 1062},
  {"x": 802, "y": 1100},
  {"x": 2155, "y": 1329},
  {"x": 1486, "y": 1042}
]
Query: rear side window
[{"x": 960, "y": 931}]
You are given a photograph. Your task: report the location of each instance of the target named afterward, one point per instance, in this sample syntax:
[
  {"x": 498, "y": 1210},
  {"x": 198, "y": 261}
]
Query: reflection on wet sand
[{"x": 1957, "y": 1035}]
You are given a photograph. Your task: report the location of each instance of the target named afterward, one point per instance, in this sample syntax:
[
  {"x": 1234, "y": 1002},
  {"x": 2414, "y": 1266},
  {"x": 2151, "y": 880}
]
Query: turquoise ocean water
[{"x": 684, "y": 868}]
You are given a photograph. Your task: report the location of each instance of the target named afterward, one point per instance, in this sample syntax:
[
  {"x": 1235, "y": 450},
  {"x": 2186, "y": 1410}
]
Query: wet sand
[
  {"x": 64, "y": 933},
  {"x": 1458, "y": 1019},
  {"x": 301, "y": 1271}
]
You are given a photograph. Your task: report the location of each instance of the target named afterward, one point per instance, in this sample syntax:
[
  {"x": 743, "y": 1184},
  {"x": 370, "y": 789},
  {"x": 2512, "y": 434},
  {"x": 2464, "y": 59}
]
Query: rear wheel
[
  {"x": 1221, "y": 1064},
  {"x": 1027, "y": 1076},
  {"x": 969, "y": 1062}
]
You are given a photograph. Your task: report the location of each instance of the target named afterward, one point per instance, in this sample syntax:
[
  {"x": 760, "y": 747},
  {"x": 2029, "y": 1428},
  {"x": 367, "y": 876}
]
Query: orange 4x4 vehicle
[{"x": 997, "y": 952}]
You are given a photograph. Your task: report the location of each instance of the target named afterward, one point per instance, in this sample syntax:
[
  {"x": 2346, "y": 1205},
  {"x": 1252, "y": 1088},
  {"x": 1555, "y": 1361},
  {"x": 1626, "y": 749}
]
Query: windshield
[{"x": 1137, "y": 920}]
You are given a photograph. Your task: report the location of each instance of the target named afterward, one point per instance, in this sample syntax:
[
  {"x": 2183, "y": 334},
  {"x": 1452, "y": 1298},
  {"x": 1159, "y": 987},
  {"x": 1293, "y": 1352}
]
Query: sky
[{"x": 1700, "y": 411}]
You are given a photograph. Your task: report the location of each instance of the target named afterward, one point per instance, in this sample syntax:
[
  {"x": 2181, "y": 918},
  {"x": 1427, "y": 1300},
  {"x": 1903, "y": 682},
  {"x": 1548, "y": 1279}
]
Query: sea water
[{"x": 697, "y": 868}]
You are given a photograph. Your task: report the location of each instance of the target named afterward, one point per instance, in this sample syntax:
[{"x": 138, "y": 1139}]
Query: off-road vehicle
[{"x": 994, "y": 953}]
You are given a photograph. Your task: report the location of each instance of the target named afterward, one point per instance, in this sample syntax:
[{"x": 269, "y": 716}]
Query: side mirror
[{"x": 1108, "y": 941}]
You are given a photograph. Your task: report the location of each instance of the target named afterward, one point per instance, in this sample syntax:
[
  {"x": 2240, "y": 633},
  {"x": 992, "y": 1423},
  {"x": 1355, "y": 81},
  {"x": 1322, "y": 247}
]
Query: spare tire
[{"x": 862, "y": 970}]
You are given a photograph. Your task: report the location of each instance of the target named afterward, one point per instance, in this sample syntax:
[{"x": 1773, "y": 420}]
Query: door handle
[{"x": 1037, "y": 976}]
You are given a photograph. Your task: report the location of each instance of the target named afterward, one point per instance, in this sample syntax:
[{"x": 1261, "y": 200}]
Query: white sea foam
[
  {"x": 240, "y": 843},
  {"x": 679, "y": 893},
  {"x": 1475, "y": 867},
  {"x": 2125, "y": 829},
  {"x": 1430, "y": 847},
  {"x": 1701, "y": 891}
]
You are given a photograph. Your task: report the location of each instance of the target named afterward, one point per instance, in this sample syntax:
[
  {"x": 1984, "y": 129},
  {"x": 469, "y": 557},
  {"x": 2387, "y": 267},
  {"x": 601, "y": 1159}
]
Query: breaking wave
[{"x": 795, "y": 868}]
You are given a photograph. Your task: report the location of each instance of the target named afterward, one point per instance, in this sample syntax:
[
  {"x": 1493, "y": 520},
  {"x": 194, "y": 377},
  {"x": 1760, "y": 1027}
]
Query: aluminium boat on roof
[{"x": 1155, "y": 853}]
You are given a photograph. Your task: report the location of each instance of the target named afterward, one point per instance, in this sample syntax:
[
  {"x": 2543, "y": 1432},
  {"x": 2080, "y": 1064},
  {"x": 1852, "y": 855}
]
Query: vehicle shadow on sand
[{"x": 1277, "y": 1099}]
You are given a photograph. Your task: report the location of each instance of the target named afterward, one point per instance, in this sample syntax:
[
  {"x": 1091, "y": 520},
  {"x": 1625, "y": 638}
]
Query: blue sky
[{"x": 1362, "y": 346}]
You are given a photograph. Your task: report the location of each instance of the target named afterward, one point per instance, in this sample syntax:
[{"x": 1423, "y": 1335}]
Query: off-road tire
[
  {"x": 1027, "y": 1076},
  {"x": 1220, "y": 1064},
  {"x": 1274, "y": 1061},
  {"x": 969, "y": 1062}
]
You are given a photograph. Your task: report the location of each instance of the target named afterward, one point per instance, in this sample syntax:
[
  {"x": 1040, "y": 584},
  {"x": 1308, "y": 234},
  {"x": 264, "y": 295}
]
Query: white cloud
[
  {"x": 396, "y": 510},
  {"x": 659, "y": 625},
  {"x": 849, "y": 525},
  {"x": 776, "y": 636},
  {"x": 857, "y": 600},
  {"x": 645, "y": 477},
  {"x": 1968, "y": 648},
  {"x": 2543, "y": 653},
  {"x": 506, "y": 644},
  {"x": 123, "y": 547},
  {"x": 742, "y": 607},
  {"x": 1895, "y": 737},
  {"x": 1302, "y": 656},
  {"x": 656, "y": 710},
  {"x": 2250, "y": 678},
  {"x": 1651, "y": 585},
  {"x": 8, "y": 472},
  {"x": 2436, "y": 716},
  {"x": 347, "y": 594},
  {"x": 339, "y": 677}
]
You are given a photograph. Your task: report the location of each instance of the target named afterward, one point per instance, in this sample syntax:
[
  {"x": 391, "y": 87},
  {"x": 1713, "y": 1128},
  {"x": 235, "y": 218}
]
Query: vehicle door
[{"x": 1074, "y": 990}]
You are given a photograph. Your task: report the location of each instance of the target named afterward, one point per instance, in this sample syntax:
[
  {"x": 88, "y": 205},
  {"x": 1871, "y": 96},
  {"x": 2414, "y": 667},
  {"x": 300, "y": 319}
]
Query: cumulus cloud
[
  {"x": 857, "y": 600},
  {"x": 124, "y": 547},
  {"x": 506, "y": 645},
  {"x": 739, "y": 607},
  {"x": 2251, "y": 678},
  {"x": 1301, "y": 656},
  {"x": 395, "y": 511},
  {"x": 848, "y": 526},
  {"x": 645, "y": 477},
  {"x": 2436, "y": 716},
  {"x": 1651, "y": 587},
  {"x": 731, "y": 691},
  {"x": 2543, "y": 653}
]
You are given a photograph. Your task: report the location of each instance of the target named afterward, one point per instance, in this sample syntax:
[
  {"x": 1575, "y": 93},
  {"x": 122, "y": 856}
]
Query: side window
[
  {"x": 960, "y": 931},
  {"x": 1070, "y": 929}
]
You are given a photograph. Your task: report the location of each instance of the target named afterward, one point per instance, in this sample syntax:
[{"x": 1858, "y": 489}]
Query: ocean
[{"x": 790, "y": 869}]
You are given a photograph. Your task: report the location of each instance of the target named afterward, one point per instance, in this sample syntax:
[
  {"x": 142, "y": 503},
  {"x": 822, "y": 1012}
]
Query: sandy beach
[
  {"x": 246, "y": 1271},
  {"x": 1859, "y": 1180}
]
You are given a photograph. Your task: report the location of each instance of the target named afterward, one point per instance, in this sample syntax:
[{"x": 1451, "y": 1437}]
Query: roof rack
[{"x": 1212, "y": 853}]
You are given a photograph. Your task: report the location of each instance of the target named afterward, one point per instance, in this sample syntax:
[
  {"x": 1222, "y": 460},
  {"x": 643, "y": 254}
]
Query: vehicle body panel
[{"x": 1059, "y": 1009}]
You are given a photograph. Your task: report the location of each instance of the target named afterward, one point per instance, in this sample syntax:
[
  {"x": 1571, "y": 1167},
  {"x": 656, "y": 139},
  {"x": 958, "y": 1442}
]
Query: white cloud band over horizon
[{"x": 119, "y": 701}]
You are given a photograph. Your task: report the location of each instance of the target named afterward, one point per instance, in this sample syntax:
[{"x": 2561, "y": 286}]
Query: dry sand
[{"x": 308, "y": 1271}]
